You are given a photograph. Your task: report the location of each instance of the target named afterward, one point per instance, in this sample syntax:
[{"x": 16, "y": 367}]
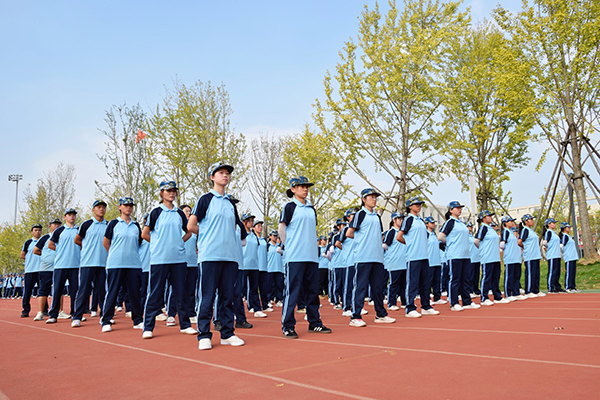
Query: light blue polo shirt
[
  {"x": 347, "y": 248},
  {"x": 443, "y": 257},
  {"x": 415, "y": 236},
  {"x": 569, "y": 249},
  {"x": 394, "y": 258},
  {"x": 32, "y": 261},
  {"x": 433, "y": 250},
  {"x": 301, "y": 232},
  {"x": 144, "y": 251},
  {"x": 166, "y": 244},
  {"x": 274, "y": 259},
  {"x": 67, "y": 252},
  {"x": 337, "y": 260},
  {"x": 367, "y": 237},
  {"x": 191, "y": 255},
  {"x": 512, "y": 251},
  {"x": 489, "y": 244},
  {"x": 47, "y": 257},
  {"x": 457, "y": 239},
  {"x": 251, "y": 252},
  {"x": 553, "y": 250},
  {"x": 323, "y": 261},
  {"x": 240, "y": 248},
  {"x": 217, "y": 221},
  {"x": 262, "y": 254},
  {"x": 531, "y": 244},
  {"x": 125, "y": 243},
  {"x": 93, "y": 253},
  {"x": 473, "y": 250}
]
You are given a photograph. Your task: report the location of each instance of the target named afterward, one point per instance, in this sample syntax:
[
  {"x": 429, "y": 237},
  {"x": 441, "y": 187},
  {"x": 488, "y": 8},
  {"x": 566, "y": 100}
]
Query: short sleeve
[
  {"x": 343, "y": 234},
  {"x": 481, "y": 233},
  {"x": 202, "y": 206},
  {"x": 40, "y": 244},
  {"x": 140, "y": 231},
  {"x": 26, "y": 245},
  {"x": 565, "y": 239},
  {"x": 110, "y": 229},
  {"x": 287, "y": 213},
  {"x": 448, "y": 226},
  {"x": 548, "y": 236},
  {"x": 184, "y": 220},
  {"x": 389, "y": 237},
  {"x": 357, "y": 220},
  {"x": 406, "y": 224},
  {"x": 524, "y": 234},
  {"x": 153, "y": 217},
  {"x": 84, "y": 227},
  {"x": 505, "y": 234},
  {"x": 56, "y": 235}
]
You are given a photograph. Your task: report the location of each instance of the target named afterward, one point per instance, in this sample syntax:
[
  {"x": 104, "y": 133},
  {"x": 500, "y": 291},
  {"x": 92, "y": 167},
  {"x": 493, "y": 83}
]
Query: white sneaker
[
  {"x": 279, "y": 304},
  {"x": 430, "y": 311},
  {"x": 384, "y": 320},
  {"x": 472, "y": 306},
  {"x": 93, "y": 314},
  {"x": 511, "y": 298},
  {"x": 413, "y": 314},
  {"x": 232, "y": 341},
  {"x": 189, "y": 331},
  {"x": 147, "y": 335},
  {"x": 520, "y": 297},
  {"x": 371, "y": 303},
  {"x": 63, "y": 315},
  {"x": 171, "y": 321},
  {"x": 474, "y": 296},
  {"x": 393, "y": 308},
  {"x": 106, "y": 328},
  {"x": 444, "y": 293},
  {"x": 487, "y": 302},
  {"x": 51, "y": 320},
  {"x": 268, "y": 310},
  {"x": 456, "y": 307},
  {"x": 39, "y": 316},
  {"x": 363, "y": 312},
  {"x": 75, "y": 323},
  {"x": 357, "y": 323},
  {"x": 530, "y": 295},
  {"x": 502, "y": 301},
  {"x": 119, "y": 309},
  {"x": 251, "y": 310},
  {"x": 440, "y": 301},
  {"x": 128, "y": 314},
  {"x": 347, "y": 313},
  {"x": 403, "y": 307},
  {"x": 258, "y": 314},
  {"x": 193, "y": 320},
  {"x": 139, "y": 326},
  {"x": 161, "y": 317},
  {"x": 540, "y": 294},
  {"x": 204, "y": 344},
  {"x": 521, "y": 291}
]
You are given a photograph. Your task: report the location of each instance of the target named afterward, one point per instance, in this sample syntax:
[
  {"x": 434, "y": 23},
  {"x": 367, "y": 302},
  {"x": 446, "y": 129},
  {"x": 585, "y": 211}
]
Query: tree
[
  {"x": 389, "y": 92},
  {"x": 190, "y": 131},
  {"x": 12, "y": 238},
  {"x": 486, "y": 127},
  {"x": 557, "y": 45},
  {"x": 265, "y": 156},
  {"x": 308, "y": 154},
  {"x": 127, "y": 160}
]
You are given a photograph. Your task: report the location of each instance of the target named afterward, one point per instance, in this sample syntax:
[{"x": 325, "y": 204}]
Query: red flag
[{"x": 140, "y": 135}]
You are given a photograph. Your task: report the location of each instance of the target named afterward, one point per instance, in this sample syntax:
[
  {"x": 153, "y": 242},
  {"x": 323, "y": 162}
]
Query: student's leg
[
  {"x": 191, "y": 282},
  {"x": 100, "y": 285},
  {"x": 133, "y": 281},
  {"x": 362, "y": 271},
  {"x": 413, "y": 273},
  {"x": 348, "y": 287},
  {"x": 144, "y": 287},
  {"x": 263, "y": 291},
  {"x": 445, "y": 277},
  {"x": 425, "y": 285},
  {"x": 436, "y": 282},
  {"x": 171, "y": 302},
  {"x": 402, "y": 287},
  {"x": 556, "y": 277},
  {"x": 31, "y": 278},
  {"x": 377, "y": 280},
  {"x": 85, "y": 288},
  {"x": 253, "y": 299},
  {"x": 311, "y": 293},
  {"x": 113, "y": 284},
  {"x": 294, "y": 273},
  {"x": 238, "y": 302},
  {"x": 393, "y": 288},
  {"x": 58, "y": 285},
  {"x": 178, "y": 273},
  {"x": 339, "y": 285},
  {"x": 454, "y": 267},
  {"x": 476, "y": 268},
  {"x": 465, "y": 284},
  {"x": 323, "y": 272},
  {"x": 73, "y": 287},
  {"x": 496, "y": 271},
  {"x": 207, "y": 287},
  {"x": 571, "y": 272},
  {"x": 535, "y": 278},
  {"x": 158, "y": 277},
  {"x": 486, "y": 280},
  {"x": 225, "y": 283}
]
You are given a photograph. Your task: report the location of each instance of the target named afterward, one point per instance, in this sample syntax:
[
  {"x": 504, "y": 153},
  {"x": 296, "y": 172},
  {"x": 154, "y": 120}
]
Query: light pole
[{"x": 16, "y": 178}]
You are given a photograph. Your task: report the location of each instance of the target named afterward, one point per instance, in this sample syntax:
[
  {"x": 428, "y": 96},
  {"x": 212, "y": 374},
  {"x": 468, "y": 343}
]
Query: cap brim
[
  {"x": 101, "y": 204},
  {"x": 128, "y": 204},
  {"x": 229, "y": 169}
]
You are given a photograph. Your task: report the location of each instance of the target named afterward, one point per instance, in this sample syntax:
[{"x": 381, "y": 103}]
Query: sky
[{"x": 64, "y": 63}]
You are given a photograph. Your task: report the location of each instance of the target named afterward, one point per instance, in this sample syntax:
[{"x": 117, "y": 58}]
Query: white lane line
[{"x": 208, "y": 364}]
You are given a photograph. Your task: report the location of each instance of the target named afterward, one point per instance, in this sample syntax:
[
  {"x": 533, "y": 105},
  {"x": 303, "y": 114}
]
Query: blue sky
[{"x": 64, "y": 63}]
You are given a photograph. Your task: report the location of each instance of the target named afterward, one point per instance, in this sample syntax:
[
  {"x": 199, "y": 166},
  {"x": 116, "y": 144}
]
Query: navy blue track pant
[
  {"x": 460, "y": 281},
  {"x": 31, "y": 278},
  {"x": 571, "y": 272},
  {"x": 252, "y": 298},
  {"x": 348, "y": 287},
  {"x": 365, "y": 275},
  {"x": 397, "y": 287},
  {"x": 512, "y": 279},
  {"x": 59, "y": 278},
  {"x": 436, "y": 282},
  {"x": 418, "y": 281},
  {"x": 87, "y": 275},
  {"x": 190, "y": 286},
  {"x": 532, "y": 276},
  {"x": 301, "y": 280},
  {"x": 131, "y": 279},
  {"x": 476, "y": 267},
  {"x": 159, "y": 273},
  {"x": 554, "y": 274},
  {"x": 216, "y": 276},
  {"x": 490, "y": 280}
]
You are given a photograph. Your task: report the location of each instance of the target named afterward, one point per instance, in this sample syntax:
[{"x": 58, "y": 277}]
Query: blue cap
[
  {"x": 454, "y": 204},
  {"x": 168, "y": 185},
  {"x": 549, "y": 221},
  {"x": 322, "y": 237},
  {"x": 217, "y": 166},
  {"x": 368, "y": 191},
  {"x": 247, "y": 216},
  {"x": 469, "y": 224},
  {"x": 397, "y": 214},
  {"x": 564, "y": 225},
  {"x": 485, "y": 213},
  {"x": 126, "y": 201},
  {"x": 506, "y": 219},
  {"x": 340, "y": 221},
  {"x": 349, "y": 212},
  {"x": 98, "y": 202},
  {"x": 493, "y": 224},
  {"x": 414, "y": 200},
  {"x": 232, "y": 199},
  {"x": 274, "y": 233},
  {"x": 429, "y": 220},
  {"x": 301, "y": 180},
  {"x": 258, "y": 222},
  {"x": 55, "y": 221},
  {"x": 70, "y": 210},
  {"x": 526, "y": 217},
  {"x": 36, "y": 226}
]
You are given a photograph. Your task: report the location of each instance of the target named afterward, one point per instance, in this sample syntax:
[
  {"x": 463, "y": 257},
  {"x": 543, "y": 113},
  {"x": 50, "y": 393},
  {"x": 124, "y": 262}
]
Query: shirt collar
[
  {"x": 298, "y": 203},
  {"x": 165, "y": 208},
  {"x": 215, "y": 193},
  {"x": 130, "y": 221},
  {"x": 95, "y": 221},
  {"x": 367, "y": 211}
]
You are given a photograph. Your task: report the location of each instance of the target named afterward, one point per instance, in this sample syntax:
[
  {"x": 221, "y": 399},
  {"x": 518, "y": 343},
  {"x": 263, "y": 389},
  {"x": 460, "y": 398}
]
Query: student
[
  {"x": 455, "y": 235},
  {"x": 488, "y": 242},
  {"x": 32, "y": 267},
  {"x": 475, "y": 262},
  {"x": 214, "y": 219},
  {"x": 394, "y": 260},
  {"x": 90, "y": 239},
  {"x": 512, "y": 259},
  {"x": 530, "y": 243},
  {"x": 298, "y": 233},
  {"x": 191, "y": 278},
  {"x": 366, "y": 230},
  {"x": 46, "y": 269},
  {"x": 570, "y": 256},
  {"x": 346, "y": 245},
  {"x": 323, "y": 267},
  {"x": 167, "y": 259},
  {"x": 251, "y": 267},
  {"x": 413, "y": 233},
  {"x": 435, "y": 262},
  {"x": 144, "y": 251},
  {"x": 66, "y": 264},
  {"x": 551, "y": 243},
  {"x": 263, "y": 277},
  {"x": 275, "y": 268},
  {"x": 337, "y": 261}
]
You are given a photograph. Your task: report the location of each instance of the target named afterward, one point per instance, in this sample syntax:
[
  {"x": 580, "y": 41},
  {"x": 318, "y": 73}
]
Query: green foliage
[{"x": 12, "y": 238}]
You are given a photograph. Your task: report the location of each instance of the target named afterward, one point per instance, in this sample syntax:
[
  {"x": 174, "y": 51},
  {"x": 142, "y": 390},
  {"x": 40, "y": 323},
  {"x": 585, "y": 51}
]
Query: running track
[{"x": 505, "y": 351}]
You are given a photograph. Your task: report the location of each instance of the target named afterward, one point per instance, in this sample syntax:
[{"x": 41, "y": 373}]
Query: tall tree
[
  {"x": 127, "y": 160},
  {"x": 192, "y": 130},
  {"x": 557, "y": 45},
  {"x": 486, "y": 126},
  {"x": 389, "y": 91},
  {"x": 12, "y": 238}
]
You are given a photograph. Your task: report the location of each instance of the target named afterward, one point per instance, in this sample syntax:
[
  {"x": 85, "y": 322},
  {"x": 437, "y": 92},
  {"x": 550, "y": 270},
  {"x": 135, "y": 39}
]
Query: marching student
[
  {"x": 394, "y": 260},
  {"x": 551, "y": 243},
  {"x": 298, "y": 233},
  {"x": 275, "y": 268},
  {"x": 570, "y": 256},
  {"x": 530, "y": 243},
  {"x": 413, "y": 233},
  {"x": 251, "y": 267},
  {"x": 263, "y": 277},
  {"x": 346, "y": 245},
  {"x": 512, "y": 258},
  {"x": 455, "y": 235},
  {"x": 32, "y": 267},
  {"x": 66, "y": 265},
  {"x": 122, "y": 240},
  {"x": 475, "y": 262},
  {"x": 337, "y": 262},
  {"x": 90, "y": 239},
  {"x": 366, "y": 230},
  {"x": 46, "y": 269},
  {"x": 435, "y": 262},
  {"x": 214, "y": 219},
  {"x": 488, "y": 242},
  {"x": 163, "y": 230}
]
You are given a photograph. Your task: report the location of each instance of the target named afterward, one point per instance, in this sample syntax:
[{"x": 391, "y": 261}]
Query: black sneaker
[
  {"x": 24, "y": 314},
  {"x": 319, "y": 329},
  {"x": 243, "y": 325},
  {"x": 290, "y": 334},
  {"x": 218, "y": 325}
]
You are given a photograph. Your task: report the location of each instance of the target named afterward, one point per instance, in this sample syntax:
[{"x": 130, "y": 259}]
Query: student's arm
[
  {"x": 23, "y": 254},
  {"x": 406, "y": 224},
  {"x": 349, "y": 233},
  {"x": 400, "y": 237},
  {"x": 187, "y": 235},
  {"x": 78, "y": 240},
  {"x": 106, "y": 243},
  {"x": 51, "y": 245},
  {"x": 282, "y": 232},
  {"x": 146, "y": 233},
  {"x": 37, "y": 251},
  {"x": 192, "y": 225}
]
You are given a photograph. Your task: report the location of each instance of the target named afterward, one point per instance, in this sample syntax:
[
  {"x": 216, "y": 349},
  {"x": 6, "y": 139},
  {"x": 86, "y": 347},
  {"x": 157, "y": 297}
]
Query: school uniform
[
  {"x": 275, "y": 270},
  {"x": 19, "y": 286},
  {"x": 489, "y": 251},
  {"x": 46, "y": 266},
  {"x": 445, "y": 270},
  {"x": 32, "y": 268},
  {"x": 570, "y": 257},
  {"x": 323, "y": 271},
  {"x": 394, "y": 261},
  {"x": 92, "y": 265},
  {"x": 349, "y": 268},
  {"x": 191, "y": 279},
  {"x": 417, "y": 257},
  {"x": 167, "y": 261},
  {"x": 512, "y": 263},
  {"x": 123, "y": 268},
  {"x": 264, "y": 282},
  {"x": 66, "y": 266},
  {"x": 337, "y": 264},
  {"x": 475, "y": 265},
  {"x": 435, "y": 265},
  {"x": 553, "y": 255},
  {"x": 251, "y": 271},
  {"x": 531, "y": 256},
  {"x": 458, "y": 258}
]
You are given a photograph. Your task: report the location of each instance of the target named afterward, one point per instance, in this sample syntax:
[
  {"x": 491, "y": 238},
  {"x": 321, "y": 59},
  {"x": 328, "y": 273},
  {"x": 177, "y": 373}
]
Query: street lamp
[{"x": 16, "y": 178}]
